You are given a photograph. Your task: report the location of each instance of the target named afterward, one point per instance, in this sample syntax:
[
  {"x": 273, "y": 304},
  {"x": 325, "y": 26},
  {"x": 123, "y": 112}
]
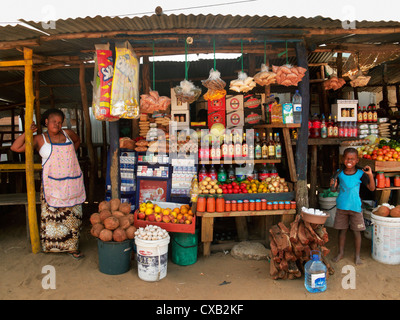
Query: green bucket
[
  {"x": 184, "y": 248},
  {"x": 114, "y": 257}
]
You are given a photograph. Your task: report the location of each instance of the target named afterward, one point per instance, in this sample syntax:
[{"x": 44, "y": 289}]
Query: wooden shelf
[
  {"x": 239, "y": 161},
  {"x": 390, "y": 188},
  {"x": 277, "y": 125},
  {"x": 245, "y": 213}
]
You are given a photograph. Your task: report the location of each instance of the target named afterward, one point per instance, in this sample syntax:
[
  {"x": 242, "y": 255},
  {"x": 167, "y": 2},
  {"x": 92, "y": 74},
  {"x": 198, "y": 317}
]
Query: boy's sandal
[{"x": 77, "y": 255}]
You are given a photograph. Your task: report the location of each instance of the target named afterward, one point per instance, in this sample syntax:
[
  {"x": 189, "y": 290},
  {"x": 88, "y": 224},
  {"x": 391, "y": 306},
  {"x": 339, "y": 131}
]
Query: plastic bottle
[
  {"x": 315, "y": 273},
  {"x": 212, "y": 173},
  {"x": 263, "y": 173},
  {"x": 296, "y": 102},
  {"x": 222, "y": 175},
  {"x": 230, "y": 174},
  {"x": 324, "y": 129},
  {"x": 203, "y": 173}
]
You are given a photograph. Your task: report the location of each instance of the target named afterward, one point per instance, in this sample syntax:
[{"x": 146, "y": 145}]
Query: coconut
[
  {"x": 111, "y": 223},
  {"x": 119, "y": 235},
  {"x": 95, "y": 218}
]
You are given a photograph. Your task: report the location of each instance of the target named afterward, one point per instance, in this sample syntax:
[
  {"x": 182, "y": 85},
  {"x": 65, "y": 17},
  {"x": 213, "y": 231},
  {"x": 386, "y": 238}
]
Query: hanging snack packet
[
  {"x": 334, "y": 82},
  {"x": 152, "y": 102},
  {"x": 289, "y": 75},
  {"x": 187, "y": 91},
  {"x": 265, "y": 77},
  {"x": 243, "y": 83},
  {"x": 103, "y": 75},
  {"x": 359, "y": 80},
  {"x": 214, "y": 81},
  {"x": 125, "y": 87}
]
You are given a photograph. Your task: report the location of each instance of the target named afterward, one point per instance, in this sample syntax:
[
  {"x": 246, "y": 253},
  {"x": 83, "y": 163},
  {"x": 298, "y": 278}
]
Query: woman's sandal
[{"x": 77, "y": 255}]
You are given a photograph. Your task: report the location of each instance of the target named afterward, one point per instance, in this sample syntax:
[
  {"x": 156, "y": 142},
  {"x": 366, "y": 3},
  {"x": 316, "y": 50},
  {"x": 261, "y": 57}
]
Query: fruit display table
[{"x": 207, "y": 222}]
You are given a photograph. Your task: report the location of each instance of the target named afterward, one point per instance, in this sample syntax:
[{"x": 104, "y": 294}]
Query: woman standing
[{"x": 62, "y": 192}]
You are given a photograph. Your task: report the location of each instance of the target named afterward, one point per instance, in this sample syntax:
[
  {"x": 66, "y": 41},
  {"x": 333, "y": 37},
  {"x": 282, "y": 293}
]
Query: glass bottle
[
  {"x": 278, "y": 146},
  {"x": 335, "y": 128},
  {"x": 324, "y": 129},
  {"x": 329, "y": 129},
  {"x": 238, "y": 147},
  {"x": 257, "y": 149},
  {"x": 264, "y": 147},
  {"x": 271, "y": 147},
  {"x": 245, "y": 147}
]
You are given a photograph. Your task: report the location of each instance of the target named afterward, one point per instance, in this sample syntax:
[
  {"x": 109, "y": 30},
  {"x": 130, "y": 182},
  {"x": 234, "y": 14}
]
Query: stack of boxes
[
  {"x": 179, "y": 112},
  {"x": 216, "y": 112}
]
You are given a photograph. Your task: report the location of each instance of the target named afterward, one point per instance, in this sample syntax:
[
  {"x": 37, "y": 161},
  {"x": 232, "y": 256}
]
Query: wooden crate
[{"x": 384, "y": 166}]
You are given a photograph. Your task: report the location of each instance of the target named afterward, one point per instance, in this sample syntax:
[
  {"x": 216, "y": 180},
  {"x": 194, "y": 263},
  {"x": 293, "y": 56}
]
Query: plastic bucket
[
  {"x": 368, "y": 224},
  {"x": 152, "y": 258},
  {"x": 114, "y": 257},
  {"x": 385, "y": 239},
  {"x": 184, "y": 248},
  {"x": 328, "y": 205}
]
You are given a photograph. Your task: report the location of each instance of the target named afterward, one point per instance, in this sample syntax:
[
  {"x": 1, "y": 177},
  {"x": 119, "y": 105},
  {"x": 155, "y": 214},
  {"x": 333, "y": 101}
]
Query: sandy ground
[{"x": 218, "y": 277}]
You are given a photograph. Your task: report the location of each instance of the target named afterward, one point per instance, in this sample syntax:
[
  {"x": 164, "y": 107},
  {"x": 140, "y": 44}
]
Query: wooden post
[
  {"x": 89, "y": 144},
  {"x": 302, "y": 141},
  {"x": 37, "y": 102},
  {"x": 30, "y": 180},
  {"x": 397, "y": 94},
  {"x": 115, "y": 175}
]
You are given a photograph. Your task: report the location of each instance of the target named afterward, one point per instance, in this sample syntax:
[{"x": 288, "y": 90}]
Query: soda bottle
[
  {"x": 222, "y": 175},
  {"x": 263, "y": 173},
  {"x": 213, "y": 173},
  {"x": 230, "y": 173},
  {"x": 324, "y": 129},
  {"x": 203, "y": 173},
  {"x": 296, "y": 102},
  {"x": 315, "y": 273}
]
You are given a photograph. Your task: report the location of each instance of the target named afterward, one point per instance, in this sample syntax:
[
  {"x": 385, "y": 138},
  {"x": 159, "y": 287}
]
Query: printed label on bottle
[{"x": 318, "y": 280}]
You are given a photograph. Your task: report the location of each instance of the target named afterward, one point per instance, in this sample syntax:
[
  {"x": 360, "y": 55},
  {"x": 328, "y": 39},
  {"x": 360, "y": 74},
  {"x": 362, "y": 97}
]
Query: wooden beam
[
  {"x": 30, "y": 180},
  {"x": 302, "y": 145},
  {"x": 86, "y": 116}
]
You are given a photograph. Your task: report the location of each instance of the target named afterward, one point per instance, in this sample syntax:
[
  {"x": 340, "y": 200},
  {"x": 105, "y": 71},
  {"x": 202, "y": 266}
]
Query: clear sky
[{"x": 47, "y": 10}]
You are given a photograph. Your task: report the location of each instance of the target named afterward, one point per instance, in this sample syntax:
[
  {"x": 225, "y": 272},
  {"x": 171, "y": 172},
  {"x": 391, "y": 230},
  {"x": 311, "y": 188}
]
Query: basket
[{"x": 313, "y": 218}]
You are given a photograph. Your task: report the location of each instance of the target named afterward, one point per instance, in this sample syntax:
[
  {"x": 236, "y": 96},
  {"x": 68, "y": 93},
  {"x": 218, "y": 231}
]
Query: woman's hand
[{"x": 34, "y": 127}]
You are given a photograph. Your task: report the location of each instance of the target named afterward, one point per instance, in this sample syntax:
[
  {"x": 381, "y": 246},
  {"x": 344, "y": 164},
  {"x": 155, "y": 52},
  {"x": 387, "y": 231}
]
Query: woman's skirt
[{"x": 59, "y": 227}]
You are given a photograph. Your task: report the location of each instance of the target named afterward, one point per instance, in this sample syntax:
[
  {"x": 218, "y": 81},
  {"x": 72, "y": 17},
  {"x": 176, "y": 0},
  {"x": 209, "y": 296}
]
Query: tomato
[
  {"x": 374, "y": 156},
  {"x": 379, "y": 158}
]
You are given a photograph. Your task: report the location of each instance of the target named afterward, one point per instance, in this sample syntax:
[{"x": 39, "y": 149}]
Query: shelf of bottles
[{"x": 241, "y": 149}]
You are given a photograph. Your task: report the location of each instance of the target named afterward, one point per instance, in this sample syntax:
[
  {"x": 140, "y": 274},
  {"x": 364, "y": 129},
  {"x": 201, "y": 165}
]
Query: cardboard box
[
  {"x": 234, "y": 103},
  {"x": 216, "y": 116},
  {"x": 235, "y": 119},
  {"x": 183, "y": 117},
  {"x": 214, "y": 105},
  {"x": 170, "y": 227},
  {"x": 177, "y": 105},
  {"x": 252, "y": 101},
  {"x": 344, "y": 104}
]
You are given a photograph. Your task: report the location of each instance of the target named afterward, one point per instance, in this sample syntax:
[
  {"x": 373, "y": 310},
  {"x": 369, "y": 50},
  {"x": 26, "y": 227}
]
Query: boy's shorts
[{"x": 346, "y": 218}]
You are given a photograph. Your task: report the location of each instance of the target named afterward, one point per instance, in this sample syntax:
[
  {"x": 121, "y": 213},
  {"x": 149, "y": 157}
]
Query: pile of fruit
[
  {"x": 151, "y": 212},
  {"x": 382, "y": 151},
  {"x": 269, "y": 185},
  {"x": 113, "y": 222}
]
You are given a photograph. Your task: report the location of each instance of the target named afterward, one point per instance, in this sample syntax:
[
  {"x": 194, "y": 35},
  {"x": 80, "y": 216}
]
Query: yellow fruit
[
  {"x": 142, "y": 208},
  {"x": 176, "y": 210},
  {"x": 157, "y": 209},
  {"x": 184, "y": 209},
  {"x": 165, "y": 212},
  {"x": 148, "y": 211},
  {"x": 149, "y": 205}
]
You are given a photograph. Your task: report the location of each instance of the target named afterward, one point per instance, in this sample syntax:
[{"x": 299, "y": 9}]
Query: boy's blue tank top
[{"x": 349, "y": 191}]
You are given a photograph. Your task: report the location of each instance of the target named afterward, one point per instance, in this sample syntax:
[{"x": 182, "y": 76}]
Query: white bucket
[
  {"x": 152, "y": 258},
  {"x": 368, "y": 224},
  {"x": 328, "y": 205},
  {"x": 386, "y": 239}
]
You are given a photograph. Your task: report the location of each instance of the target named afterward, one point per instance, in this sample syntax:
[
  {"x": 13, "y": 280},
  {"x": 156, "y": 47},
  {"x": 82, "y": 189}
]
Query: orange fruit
[
  {"x": 165, "y": 212},
  {"x": 190, "y": 212},
  {"x": 176, "y": 210},
  {"x": 184, "y": 210},
  {"x": 188, "y": 222},
  {"x": 179, "y": 216}
]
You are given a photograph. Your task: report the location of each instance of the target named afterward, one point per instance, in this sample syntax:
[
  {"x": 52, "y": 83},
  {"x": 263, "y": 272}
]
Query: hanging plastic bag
[
  {"x": 288, "y": 75},
  {"x": 359, "y": 80},
  {"x": 215, "y": 86},
  {"x": 125, "y": 88},
  {"x": 152, "y": 102},
  {"x": 243, "y": 83},
  {"x": 102, "y": 82},
  {"x": 187, "y": 91},
  {"x": 265, "y": 77},
  {"x": 334, "y": 82}
]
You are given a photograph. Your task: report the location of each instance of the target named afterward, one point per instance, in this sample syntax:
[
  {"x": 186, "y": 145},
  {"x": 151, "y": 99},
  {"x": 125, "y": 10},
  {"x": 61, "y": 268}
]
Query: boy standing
[{"x": 348, "y": 202}]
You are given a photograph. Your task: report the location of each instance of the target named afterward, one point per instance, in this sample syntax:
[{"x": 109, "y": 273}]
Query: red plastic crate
[{"x": 170, "y": 227}]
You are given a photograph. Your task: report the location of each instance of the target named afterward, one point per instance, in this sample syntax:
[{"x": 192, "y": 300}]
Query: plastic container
[
  {"x": 152, "y": 258},
  {"x": 220, "y": 204},
  {"x": 396, "y": 181},
  {"x": 184, "y": 248},
  {"x": 380, "y": 180},
  {"x": 368, "y": 224},
  {"x": 114, "y": 257},
  {"x": 385, "y": 239},
  {"x": 210, "y": 204},
  {"x": 315, "y": 273},
  {"x": 296, "y": 102},
  {"x": 328, "y": 205}
]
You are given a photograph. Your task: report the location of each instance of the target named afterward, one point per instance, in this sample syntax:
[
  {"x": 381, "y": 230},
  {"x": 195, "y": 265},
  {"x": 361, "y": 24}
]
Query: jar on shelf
[
  {"x": 275, "y": 205},
  {"x": 269, "y": 205},
  {"x": 387, "y": 182},
  {"x": 292, "y": 204},
  {"x": 234, "y": 205},
  {"x": 240, "y": 205},
  {"x": 252, "y": 205},
  {"x": 287, "y": 205},
  {"x": 228, "y": 207},
  {"x": 201, "y": 203},
  {"x": 210, "y": 204},
  {"x": 220, "y": 204},
  {"x": 281, "y": 205},
  {"x": 246, "y": 205},
  {"x": 258, "y": 205},
  {"x": 263, "y": 204},
  {"x": 380, "y": 180},
  {"x": 396, "y": 180}
]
